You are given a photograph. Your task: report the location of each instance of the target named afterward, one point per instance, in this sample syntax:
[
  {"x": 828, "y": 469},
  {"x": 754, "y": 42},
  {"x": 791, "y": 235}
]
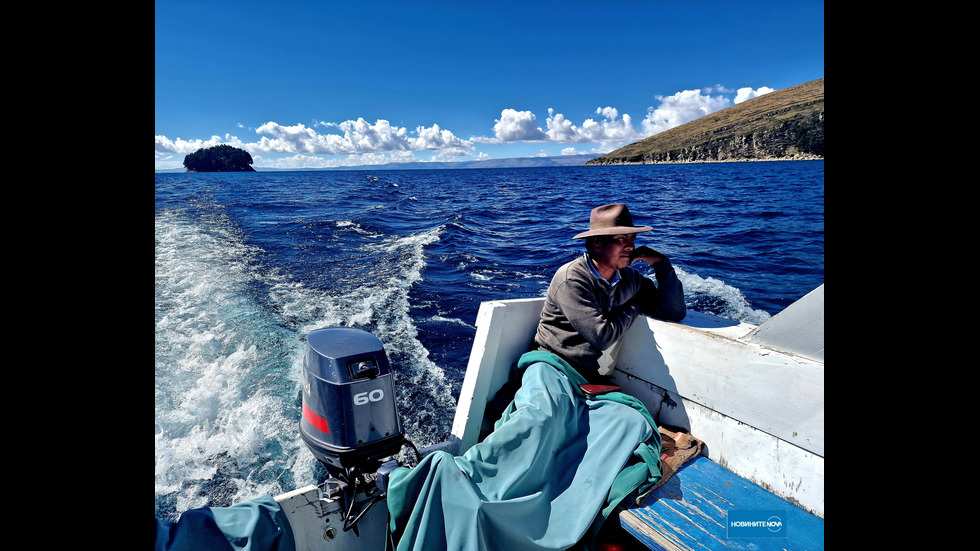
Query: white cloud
[
  {"x": 183, "y": 147},
  {"x": 358, "y": 137},
  {"x": 361, "y": 142},
  {"x": 607, "y": 112},
  {"x": 560, "y": 129},
  {"x": 363, "y": 137},
  {"x": 748, "y": 93},
  {"x": 609, "y": 129},
  {"x": 681, "y": 108},
  {"x": 513, "y": 126},
  {"x": 296, "y": 139},
  {"x": 442, "y": 140}
]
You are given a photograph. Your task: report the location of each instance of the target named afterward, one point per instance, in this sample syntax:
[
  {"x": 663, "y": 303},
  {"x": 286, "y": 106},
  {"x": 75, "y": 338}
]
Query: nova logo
[
  {"x": 755, "y": 523},
  {"x": 375, "y": 395}
]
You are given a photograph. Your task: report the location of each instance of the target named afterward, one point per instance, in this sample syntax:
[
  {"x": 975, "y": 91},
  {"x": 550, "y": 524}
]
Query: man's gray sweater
[{"x": 583, "y": 315}]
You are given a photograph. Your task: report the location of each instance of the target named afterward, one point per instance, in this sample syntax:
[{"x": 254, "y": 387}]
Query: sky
[{"x": 320, "y": 84}]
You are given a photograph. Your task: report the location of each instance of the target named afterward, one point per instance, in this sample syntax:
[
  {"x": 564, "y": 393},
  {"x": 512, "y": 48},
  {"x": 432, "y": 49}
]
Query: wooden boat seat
[{"x": 690, "y": 512}]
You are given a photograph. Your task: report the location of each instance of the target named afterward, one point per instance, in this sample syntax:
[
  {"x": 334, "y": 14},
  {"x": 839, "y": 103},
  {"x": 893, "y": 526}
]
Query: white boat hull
[
  {"x": 753, "y": 395},
  {"x": 758, "y": 406}
]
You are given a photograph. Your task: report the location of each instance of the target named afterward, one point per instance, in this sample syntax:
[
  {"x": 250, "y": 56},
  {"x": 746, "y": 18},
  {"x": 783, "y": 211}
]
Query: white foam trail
[
  {"x": 431, "y": 423},
  {"x": 735, "y": 306},
  {"x": 229, "y": 363},
  {"x": 221, "y": 404},
  {"x": 382, "y": 306},
  {"x": 453, "y": 321}
]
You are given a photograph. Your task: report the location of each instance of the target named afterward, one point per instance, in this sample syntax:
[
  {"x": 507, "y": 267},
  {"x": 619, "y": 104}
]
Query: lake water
[{"x": 248, "y": 263}]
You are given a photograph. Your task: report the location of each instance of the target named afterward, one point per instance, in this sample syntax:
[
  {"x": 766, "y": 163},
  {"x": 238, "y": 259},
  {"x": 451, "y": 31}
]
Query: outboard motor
[
  {"x": 349, "y": 414},
  {"x": 349, "y": 419}
]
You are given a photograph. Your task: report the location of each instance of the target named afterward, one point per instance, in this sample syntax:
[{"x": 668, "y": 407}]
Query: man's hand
[{"x": 646, "y": 254}]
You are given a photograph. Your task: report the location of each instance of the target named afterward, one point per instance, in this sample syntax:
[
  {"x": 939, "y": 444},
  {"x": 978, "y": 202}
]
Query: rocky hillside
[{"x": 785, "y": 124}]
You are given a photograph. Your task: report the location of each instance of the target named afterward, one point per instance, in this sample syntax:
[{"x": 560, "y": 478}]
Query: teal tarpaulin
[
  {"x": 555, "y": 466},
  {"x": 256, "y": 525}
]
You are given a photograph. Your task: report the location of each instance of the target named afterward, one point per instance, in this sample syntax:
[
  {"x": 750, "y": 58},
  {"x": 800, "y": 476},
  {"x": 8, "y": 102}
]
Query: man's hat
[{"x": 611, "y": 220}]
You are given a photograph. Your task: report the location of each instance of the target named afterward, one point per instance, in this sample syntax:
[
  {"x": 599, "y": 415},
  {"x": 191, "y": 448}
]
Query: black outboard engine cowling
[{"x": 349, "y": 416}]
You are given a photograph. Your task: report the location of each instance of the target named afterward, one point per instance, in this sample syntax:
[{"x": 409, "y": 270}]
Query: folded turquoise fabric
[{"x": 555, "y": 463}]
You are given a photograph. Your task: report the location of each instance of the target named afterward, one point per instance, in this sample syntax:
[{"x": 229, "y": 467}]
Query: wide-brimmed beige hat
[{"x": 611, "y": 220}]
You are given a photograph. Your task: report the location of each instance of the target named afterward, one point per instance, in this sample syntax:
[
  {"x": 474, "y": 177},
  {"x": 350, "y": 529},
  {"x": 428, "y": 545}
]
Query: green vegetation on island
[
  {"x": 220, "y": 158},
  {"x": 782, "y": 125}
]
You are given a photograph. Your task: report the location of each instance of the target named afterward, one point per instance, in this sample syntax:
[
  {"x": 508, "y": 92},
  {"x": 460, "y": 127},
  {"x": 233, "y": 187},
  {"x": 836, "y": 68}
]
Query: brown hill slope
[{"x": 785, "y": 124}]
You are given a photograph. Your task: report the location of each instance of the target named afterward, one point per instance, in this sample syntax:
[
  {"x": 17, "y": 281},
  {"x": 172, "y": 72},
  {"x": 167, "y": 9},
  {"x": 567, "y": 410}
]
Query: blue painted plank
[{"x": 690, "y": 512}]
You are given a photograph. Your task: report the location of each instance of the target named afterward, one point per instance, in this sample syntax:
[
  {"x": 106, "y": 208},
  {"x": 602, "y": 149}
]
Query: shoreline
[
  {"x": 687, "y": 162},
  {"x": 389, "y": 166}
]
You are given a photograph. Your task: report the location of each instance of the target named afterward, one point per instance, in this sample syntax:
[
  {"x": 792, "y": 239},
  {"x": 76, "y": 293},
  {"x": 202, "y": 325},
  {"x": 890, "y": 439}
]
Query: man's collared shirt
[{"x": 595, "y": 272}]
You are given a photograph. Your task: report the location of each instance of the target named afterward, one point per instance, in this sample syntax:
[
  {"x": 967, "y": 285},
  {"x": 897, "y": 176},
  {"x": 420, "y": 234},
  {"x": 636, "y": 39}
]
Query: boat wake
[
  {"x": 230, "y": 340},
  {"x": 713, "y": 296}
]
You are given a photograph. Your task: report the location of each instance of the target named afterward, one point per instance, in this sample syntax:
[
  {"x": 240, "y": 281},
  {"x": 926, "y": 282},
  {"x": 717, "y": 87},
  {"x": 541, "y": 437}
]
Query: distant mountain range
[
  {"x": 518, "y": 162},
  {"x": 785, "y": 124}
]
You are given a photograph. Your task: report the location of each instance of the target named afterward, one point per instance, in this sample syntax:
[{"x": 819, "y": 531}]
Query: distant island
[
  {"x": 220, "y": 158},
  {"x": 783, "y": 125}
]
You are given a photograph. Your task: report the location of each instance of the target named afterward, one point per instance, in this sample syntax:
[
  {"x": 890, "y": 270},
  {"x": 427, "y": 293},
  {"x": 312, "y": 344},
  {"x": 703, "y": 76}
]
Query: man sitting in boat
[
  {"x": 593, "y": 300},
  {"x": 561, "y": 455}
]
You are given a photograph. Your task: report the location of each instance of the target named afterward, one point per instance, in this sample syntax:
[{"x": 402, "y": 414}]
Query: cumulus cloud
[
  {"x": 681, "y": 108},
  {"x": 361, "y": 142},
  {"x": 608, "y": 112},
  {"x": 356, "y": 138},
  {"x": 609, "y": 129},
  {"x": 748, "y": 93},
  {"x": 183, "y": 147},
  {"x": 443, "y": 141},
  {"x": 514, "y": 125}
]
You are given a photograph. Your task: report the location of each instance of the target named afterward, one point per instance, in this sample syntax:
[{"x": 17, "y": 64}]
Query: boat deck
[
  {"x": 753, "y": 394},
  {"x": 698, "y": 508}
]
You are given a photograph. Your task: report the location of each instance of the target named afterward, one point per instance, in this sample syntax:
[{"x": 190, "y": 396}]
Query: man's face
[{"x": 616, "y": 251}]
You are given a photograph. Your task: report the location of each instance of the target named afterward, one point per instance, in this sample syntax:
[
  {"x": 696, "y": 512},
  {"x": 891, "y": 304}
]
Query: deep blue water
[{"x": 248, "y": 263}]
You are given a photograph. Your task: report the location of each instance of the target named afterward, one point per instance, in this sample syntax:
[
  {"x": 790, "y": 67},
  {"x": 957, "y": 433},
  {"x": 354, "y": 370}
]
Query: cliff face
[{"x": 785, "y": 124}]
